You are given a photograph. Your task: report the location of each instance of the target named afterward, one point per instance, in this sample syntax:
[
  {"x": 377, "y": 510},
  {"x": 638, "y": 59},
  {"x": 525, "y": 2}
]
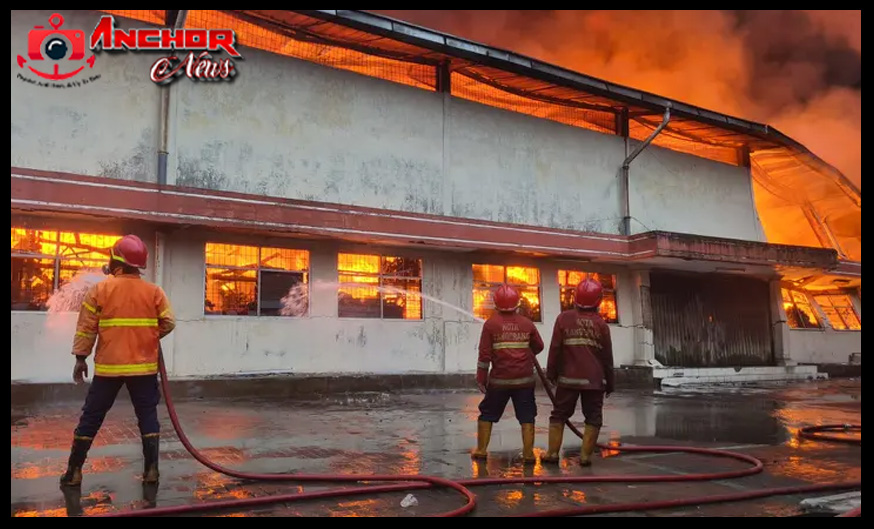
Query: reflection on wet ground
[{"x": 432, "y": 433}]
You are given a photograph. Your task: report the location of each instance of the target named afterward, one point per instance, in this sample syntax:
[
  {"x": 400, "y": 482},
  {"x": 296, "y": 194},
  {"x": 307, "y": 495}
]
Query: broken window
[
  {"x": 44, "y": 260},
  {"x": 374, "y": 286},
  {"x": 526, "y": 281},
  {"x": 254, "y": 281},
  {"x": 839, "y": 310},
  {"x": 568, "y": 281},
  {"x": 799, "y": 311}
]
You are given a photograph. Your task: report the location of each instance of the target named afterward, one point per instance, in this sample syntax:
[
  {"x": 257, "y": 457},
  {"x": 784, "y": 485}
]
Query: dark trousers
[
  {"x": 495, "y": 402},
  {"x": 592, "y": 403},
  {"x": 144, "y": 394}
]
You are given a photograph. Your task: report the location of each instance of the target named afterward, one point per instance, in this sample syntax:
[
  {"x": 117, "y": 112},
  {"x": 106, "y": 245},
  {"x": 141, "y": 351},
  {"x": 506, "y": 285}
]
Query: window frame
[
  {"x": 57, "y": 258},
  {"x": 588, "y": 274},
  {"x": 817, "y": 311},
  {"x": 850, "y": 305},
  {"x": 258, "y": 269},
  {"x": 379, "y": 284},
  {"x": 492, "y": 286}
]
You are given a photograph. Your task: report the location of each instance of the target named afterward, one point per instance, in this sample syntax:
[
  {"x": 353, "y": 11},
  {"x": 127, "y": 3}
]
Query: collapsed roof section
[{"x": 801, "y": 200}]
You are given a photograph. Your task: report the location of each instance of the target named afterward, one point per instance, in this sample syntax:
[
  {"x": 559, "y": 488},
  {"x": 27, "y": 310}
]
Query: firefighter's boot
[
  {"x": 78, "y": 453},
  {"x": 483, "y": 436},
  {"x": 590, "y": 439},
  {"x": 528, "y": 444},
  {"x": 553, "y": 453},
  {"x": 150, "y": 458}
]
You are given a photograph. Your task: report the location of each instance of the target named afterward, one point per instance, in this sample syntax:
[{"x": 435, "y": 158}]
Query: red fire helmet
[
  {"x": 130, "y": 250},
  {"x": 588, "y": 294},
  {"x": 506, "y": 298}
]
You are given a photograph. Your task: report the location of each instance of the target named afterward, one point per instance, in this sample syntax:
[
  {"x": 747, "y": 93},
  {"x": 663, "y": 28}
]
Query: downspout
[
  {"x": 164, "y": 119},
  {"x": 626, "y": 213}
]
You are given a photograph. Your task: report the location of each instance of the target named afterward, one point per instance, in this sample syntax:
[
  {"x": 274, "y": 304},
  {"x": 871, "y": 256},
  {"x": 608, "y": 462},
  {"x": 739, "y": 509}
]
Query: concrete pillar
[
  {"x": 323, "y": 288},
  {"x": 641, "y": 312},
  {"x": 780, "y": 327},
  {"x": 167, "y": 344}
]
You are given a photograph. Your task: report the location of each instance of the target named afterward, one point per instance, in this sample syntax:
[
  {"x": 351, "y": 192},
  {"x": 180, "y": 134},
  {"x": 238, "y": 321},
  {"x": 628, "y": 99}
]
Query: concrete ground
[{"x": 432, "y": 433}]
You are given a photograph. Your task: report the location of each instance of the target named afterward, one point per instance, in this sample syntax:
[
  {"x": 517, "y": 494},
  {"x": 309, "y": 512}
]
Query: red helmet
[
  {"x": 588, "y": 294},
  {"x": 130, "y": 250},
  {"x": 506, "y": 298}
]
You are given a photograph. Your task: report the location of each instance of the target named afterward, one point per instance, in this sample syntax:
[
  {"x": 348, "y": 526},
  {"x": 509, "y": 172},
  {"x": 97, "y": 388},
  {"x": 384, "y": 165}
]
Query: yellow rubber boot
[
  {"x": 528, "y": 443},
  {"x": 590, "y": 439},
  {"x": 556, "y": 432},
  {"x": 483, "y": 436}
]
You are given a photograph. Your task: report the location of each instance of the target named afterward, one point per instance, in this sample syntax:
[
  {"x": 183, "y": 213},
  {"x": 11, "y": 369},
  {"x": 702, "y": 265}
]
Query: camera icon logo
[{"x": 55, "y": 44}]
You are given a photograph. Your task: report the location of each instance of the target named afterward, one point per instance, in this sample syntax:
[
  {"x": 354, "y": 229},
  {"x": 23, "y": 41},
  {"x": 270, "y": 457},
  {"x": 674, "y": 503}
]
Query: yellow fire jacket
[{"x": 126, "y": 316}]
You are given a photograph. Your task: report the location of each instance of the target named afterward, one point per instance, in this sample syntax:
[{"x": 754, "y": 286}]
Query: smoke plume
[{"x": 799, "y": 71}]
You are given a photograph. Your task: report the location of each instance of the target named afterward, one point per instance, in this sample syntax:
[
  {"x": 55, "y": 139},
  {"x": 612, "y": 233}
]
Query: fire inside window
[
  {"x": 840, "y": 312},
  {"x": 568, "y": 281},
  {"x": 253, "y": 281},
  {"x": 374, "y": 286},
  {"x": 487, "y": 278},
  {"x": 799, "y": 311},
  {"x": 44, "y": 260}
]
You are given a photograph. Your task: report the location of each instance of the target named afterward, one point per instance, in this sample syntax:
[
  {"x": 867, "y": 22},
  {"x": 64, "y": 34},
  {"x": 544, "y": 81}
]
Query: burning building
[{"x": 347, "y": 204}]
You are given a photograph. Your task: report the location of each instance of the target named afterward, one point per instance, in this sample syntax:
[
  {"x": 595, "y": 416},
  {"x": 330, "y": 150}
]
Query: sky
[{"x": 798, "y": 71}]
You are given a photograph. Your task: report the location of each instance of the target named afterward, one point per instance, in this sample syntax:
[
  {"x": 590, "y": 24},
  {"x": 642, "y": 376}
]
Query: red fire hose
[{"x": 417, "y": 482}]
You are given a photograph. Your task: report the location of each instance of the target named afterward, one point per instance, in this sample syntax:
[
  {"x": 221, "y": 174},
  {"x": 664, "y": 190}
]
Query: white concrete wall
[
  {"x": 672, "y": 191},
  {"x": 813, "y": 346},
  {"x": 108, "y": 127}
]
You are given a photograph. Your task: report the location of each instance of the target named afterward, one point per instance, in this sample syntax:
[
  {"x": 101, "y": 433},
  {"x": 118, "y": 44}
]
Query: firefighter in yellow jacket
[{"x": 126, "y": 316}]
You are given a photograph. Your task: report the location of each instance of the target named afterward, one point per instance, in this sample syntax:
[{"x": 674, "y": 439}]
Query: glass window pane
[
  {"x": 518, "y": 275},
  {"x": 608, "y": 308},
  {"x": 34, "y": 241},
  {"x": 86, "y": 246},
  {"x": 285, "y": 259},
  {"x": 231, "y": 291},
  {"x": 32, "y": 283},
  {"x": 231, "y": 255},
  {"x": 488, "y": 273},
  {"x": 401, "y": 299},
  {"x": 70, "y": 268},
  {"x": 529, "y": 303},
  {"x": 347, "y": 262},
  {"x": 834, "y": 319},
  {"x": 850, "y": 318},
  {"x": 401, "y": 266},
  {"x": 283, "y": 294},
  {"x": 483, "y": 302},
  {"x": 567, "y": 298},
  {"x": 358, "y": 301},
  {"x": 608, "y": 281}
]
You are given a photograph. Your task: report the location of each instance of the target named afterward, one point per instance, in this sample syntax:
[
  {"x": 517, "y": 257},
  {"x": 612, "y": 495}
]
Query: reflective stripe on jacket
[
  {"x": 126, "y": 316},
  {"x": 506, "y": 344},
  {"x": 581, "y": 351}
]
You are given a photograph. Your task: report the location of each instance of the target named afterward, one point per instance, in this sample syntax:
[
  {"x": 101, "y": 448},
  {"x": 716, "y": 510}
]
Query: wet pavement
[{"x": 432, "y": 433}]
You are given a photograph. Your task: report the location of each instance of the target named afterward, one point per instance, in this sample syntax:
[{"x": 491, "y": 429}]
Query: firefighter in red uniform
[
  {"x": 508, "y": 343},
  {"x": 580, "y": 366},
  {"x": 126, "y": 316}
]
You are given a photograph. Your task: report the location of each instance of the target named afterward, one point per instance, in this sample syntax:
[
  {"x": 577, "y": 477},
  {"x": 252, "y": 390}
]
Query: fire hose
[{"x": 418, "y": 482}]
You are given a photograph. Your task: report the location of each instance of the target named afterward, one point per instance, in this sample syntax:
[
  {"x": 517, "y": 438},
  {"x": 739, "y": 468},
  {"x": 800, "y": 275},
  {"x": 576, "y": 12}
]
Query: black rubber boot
[
  {"x": 151, "y": 453},
  {"x": 78, "y": 454}
]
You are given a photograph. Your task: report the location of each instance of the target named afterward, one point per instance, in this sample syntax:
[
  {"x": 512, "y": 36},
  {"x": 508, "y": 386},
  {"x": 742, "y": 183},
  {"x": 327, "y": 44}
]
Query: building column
[
  {"x": 780, "y": 327},
  {"x": 641, "y": 312}
]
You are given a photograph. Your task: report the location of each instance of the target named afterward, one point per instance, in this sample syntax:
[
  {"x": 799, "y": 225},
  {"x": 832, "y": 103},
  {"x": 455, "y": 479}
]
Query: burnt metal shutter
[{"x": 711, "y": 320}]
